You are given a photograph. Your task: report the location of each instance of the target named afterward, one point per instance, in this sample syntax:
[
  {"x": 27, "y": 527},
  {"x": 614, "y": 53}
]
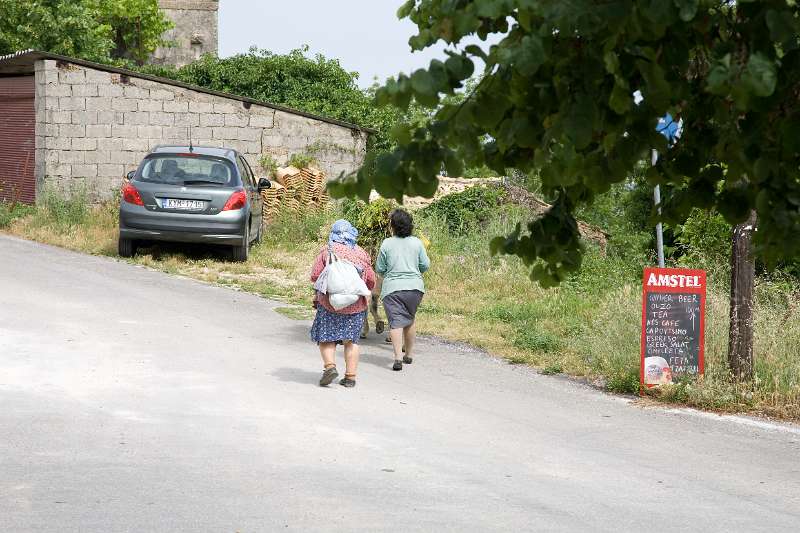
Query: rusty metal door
[{"x": 17, "y": 139}]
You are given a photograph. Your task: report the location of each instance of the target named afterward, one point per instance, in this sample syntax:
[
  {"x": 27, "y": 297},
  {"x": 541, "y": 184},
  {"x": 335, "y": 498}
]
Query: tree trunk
[{"x": 740, "y": 344}]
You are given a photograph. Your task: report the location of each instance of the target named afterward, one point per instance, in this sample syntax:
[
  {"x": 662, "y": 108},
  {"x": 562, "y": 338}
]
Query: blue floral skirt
[{"x": 333, "y": 327}]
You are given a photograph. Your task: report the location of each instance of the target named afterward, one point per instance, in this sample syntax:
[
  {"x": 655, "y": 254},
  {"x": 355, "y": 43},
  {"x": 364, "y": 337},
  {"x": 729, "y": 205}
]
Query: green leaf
[
  {"x": 783, "y": 28},
  {"x": 475, "y": 50},
  {"x": 611, "y": 62},
  {"x": 687, "y": 9},
  {"x": 401, "y": 132},
  {"x": 425, "y": 88},
  {"x": 422, "y": 82},
  {"x": 424, "y": 188},
  {"x": 406, "y": 9},
  {"x": 530, "y": 54},
  {"x": 621, "y": 99},
  {"x": 760, "y": 75},
  {"x": 719, "y": 76},
  {"x": 658, "y": 11},
  {"x": 496, "y": 245},
  {"x": 490, "y": 109},
  {"x": 453, "y": 164},
  {"x": 580, "y": 121},
  {"x": 439, "y": 77},
  {"x": 656, "y": 90},
  {"x": 459, "y": 67}
]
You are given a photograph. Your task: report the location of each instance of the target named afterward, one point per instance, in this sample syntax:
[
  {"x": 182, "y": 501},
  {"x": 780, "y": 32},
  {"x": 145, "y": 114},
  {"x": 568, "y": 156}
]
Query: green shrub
[
  {"x": 705, "y": 238},
  {"x": 62, "y": 211},
  {"x": 268, "y": 164},
  {"x": 464, "y": 211},
  {"x": 623, "y": 380},
  {"x": 479, "y": 172},
  {"x": 12, "y": 211},
  {"x": 291, "y": 229},
  {"x": 302, "y": 160},
  {"x": 371, "y": 220}
]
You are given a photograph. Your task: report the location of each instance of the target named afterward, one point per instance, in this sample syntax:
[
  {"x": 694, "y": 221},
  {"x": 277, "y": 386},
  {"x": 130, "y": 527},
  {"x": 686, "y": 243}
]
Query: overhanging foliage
[{"x": 556, "y": 95}]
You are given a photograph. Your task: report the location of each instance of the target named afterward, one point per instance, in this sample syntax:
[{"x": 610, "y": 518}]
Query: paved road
[{"x": 135, "y": 401}]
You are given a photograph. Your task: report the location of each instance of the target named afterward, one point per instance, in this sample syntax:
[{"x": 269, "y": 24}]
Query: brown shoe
[{"x": 328, "y": 376}]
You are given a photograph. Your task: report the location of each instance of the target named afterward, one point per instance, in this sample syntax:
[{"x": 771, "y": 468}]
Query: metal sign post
[
  {"x": 659, "y": 226},
  {"x": 672, "y": 131}
]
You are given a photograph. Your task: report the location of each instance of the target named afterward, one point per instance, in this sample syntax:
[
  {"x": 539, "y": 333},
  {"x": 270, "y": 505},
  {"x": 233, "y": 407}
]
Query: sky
[{"x": 365, "y": 35}]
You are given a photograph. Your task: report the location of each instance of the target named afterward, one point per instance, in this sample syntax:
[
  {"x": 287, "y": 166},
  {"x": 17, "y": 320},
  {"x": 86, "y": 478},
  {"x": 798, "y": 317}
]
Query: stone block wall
[
  {"x": 93, "y": 126},
  {"x": 195, "y": 33}
]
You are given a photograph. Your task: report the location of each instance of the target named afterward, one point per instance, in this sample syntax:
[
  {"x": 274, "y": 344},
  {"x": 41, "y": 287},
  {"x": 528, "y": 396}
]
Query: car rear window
[{"x": 180, "y": 169}]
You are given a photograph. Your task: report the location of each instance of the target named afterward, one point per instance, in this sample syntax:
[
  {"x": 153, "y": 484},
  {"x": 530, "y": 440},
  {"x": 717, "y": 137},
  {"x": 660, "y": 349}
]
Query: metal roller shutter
[{"x": 17, "y": 139}]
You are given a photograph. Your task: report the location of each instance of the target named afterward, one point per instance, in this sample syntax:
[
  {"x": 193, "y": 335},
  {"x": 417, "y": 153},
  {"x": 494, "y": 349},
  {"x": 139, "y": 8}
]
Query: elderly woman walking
[
  {"x": 332, "y": 327},
  {"x": 401, "y": 262}
]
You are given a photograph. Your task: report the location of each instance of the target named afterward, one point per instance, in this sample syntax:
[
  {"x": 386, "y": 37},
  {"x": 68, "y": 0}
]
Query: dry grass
[{"x": 587, "y": 327}]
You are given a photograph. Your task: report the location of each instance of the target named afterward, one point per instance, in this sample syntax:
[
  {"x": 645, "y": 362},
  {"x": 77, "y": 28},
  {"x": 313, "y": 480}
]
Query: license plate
[{"x": 188, "y": 205}]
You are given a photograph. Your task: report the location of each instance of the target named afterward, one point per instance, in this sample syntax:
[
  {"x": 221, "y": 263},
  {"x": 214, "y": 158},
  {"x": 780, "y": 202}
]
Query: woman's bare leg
[
  {"x": 409, "y": 336},
  {"x": 351, "y": 353},
  {"x": 397, "y": 342},
  {"x": 328, "y": 352}
]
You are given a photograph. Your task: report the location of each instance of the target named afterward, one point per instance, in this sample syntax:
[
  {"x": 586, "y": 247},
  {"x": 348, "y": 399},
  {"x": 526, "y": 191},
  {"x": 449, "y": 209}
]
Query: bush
[
  {"x": 292, "y": 229},
  {"x": 705, "y": 238},
  {"x": 302, "y": 160},
  {"x": 268, "y": 164},
  {"x": 371, "y": 220},
  {"x": 12, "y": 211},
  {"x": 464, "y": 211},
  {"x": 62, "y": 211}
]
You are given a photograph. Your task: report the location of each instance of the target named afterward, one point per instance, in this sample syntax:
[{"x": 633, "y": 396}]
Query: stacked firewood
[{"x": 295, "y": 190}]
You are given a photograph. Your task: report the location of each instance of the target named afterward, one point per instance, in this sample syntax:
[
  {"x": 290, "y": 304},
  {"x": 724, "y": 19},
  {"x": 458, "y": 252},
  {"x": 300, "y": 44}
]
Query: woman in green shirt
[{"x": 401, "y": 261}]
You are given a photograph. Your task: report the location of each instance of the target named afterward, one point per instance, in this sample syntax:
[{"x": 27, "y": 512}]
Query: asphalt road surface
[{"x": 131, "y": 400}]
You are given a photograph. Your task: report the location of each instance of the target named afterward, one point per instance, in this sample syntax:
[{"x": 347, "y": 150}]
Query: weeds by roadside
[{"x": 9, "y": 212}]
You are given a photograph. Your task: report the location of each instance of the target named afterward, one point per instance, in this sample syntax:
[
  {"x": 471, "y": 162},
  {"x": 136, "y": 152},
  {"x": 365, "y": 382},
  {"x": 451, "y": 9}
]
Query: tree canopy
[
  {"x": 98, "y": 30},
  {"x": 556, "y": 96}
]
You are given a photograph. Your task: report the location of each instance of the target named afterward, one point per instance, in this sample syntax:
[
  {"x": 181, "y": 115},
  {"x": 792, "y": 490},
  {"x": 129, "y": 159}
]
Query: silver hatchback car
[{"x": 193, "y": 194}]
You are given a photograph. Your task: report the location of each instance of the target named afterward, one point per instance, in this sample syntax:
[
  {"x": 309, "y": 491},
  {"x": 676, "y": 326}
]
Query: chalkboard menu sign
[{"x": 673, "y": 324}]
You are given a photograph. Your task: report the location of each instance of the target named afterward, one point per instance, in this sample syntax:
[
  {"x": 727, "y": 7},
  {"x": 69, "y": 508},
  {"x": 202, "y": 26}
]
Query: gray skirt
[{"x": 401, "y": 307}]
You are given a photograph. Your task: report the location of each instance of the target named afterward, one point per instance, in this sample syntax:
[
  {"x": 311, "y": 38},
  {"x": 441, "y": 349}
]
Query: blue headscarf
[{"x": 343, "y": 232}]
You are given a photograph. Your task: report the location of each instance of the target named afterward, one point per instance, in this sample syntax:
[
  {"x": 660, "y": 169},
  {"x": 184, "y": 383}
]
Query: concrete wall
[
  {"x": 92, "y": 127},
  {"x": 196, "y": 31}
]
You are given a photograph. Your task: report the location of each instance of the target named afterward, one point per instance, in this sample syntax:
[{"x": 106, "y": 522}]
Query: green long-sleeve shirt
[{"x": 401, "y": 262}]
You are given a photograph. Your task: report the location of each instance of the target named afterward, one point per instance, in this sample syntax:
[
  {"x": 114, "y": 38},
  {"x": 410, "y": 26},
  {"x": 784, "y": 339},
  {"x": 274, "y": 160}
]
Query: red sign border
[{"x": 693, "y": 290}]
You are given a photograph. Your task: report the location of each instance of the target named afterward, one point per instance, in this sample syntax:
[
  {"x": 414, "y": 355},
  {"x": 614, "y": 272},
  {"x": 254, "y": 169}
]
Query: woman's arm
[
  {"x": 319, "y": 265},
  {"x": 424, "y": 260},
  {"x": 380, "y": 265},
  {"x": 369, "y": 274}
]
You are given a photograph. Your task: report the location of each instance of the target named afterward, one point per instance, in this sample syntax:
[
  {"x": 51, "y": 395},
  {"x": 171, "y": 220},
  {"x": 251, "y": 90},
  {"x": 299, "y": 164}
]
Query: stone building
[
  {"x": 66, "y": 122},
  {"x": 195, "y": 32}
]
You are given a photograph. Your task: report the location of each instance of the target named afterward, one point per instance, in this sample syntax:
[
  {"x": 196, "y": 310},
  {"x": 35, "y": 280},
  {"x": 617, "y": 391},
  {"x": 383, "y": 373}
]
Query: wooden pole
[{"x": 740, "y": 343}]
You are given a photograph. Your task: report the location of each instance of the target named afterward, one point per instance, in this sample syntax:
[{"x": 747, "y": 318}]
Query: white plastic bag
[
  {"x": 340, "y": 301},
  {"x": 344, "y": 284},
  {"x": 321, "y": 285}
]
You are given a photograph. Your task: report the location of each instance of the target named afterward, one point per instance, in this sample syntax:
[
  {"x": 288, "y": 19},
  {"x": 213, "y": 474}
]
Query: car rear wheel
[
  {"x": 241, "y": 253},
  {"x": 126, "y": 247}
]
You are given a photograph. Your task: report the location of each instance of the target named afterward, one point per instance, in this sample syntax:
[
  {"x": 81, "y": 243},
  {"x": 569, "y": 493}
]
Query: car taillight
[
  {"x": 236, "y": 201},
  {"x": 131, "y": 195}
]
